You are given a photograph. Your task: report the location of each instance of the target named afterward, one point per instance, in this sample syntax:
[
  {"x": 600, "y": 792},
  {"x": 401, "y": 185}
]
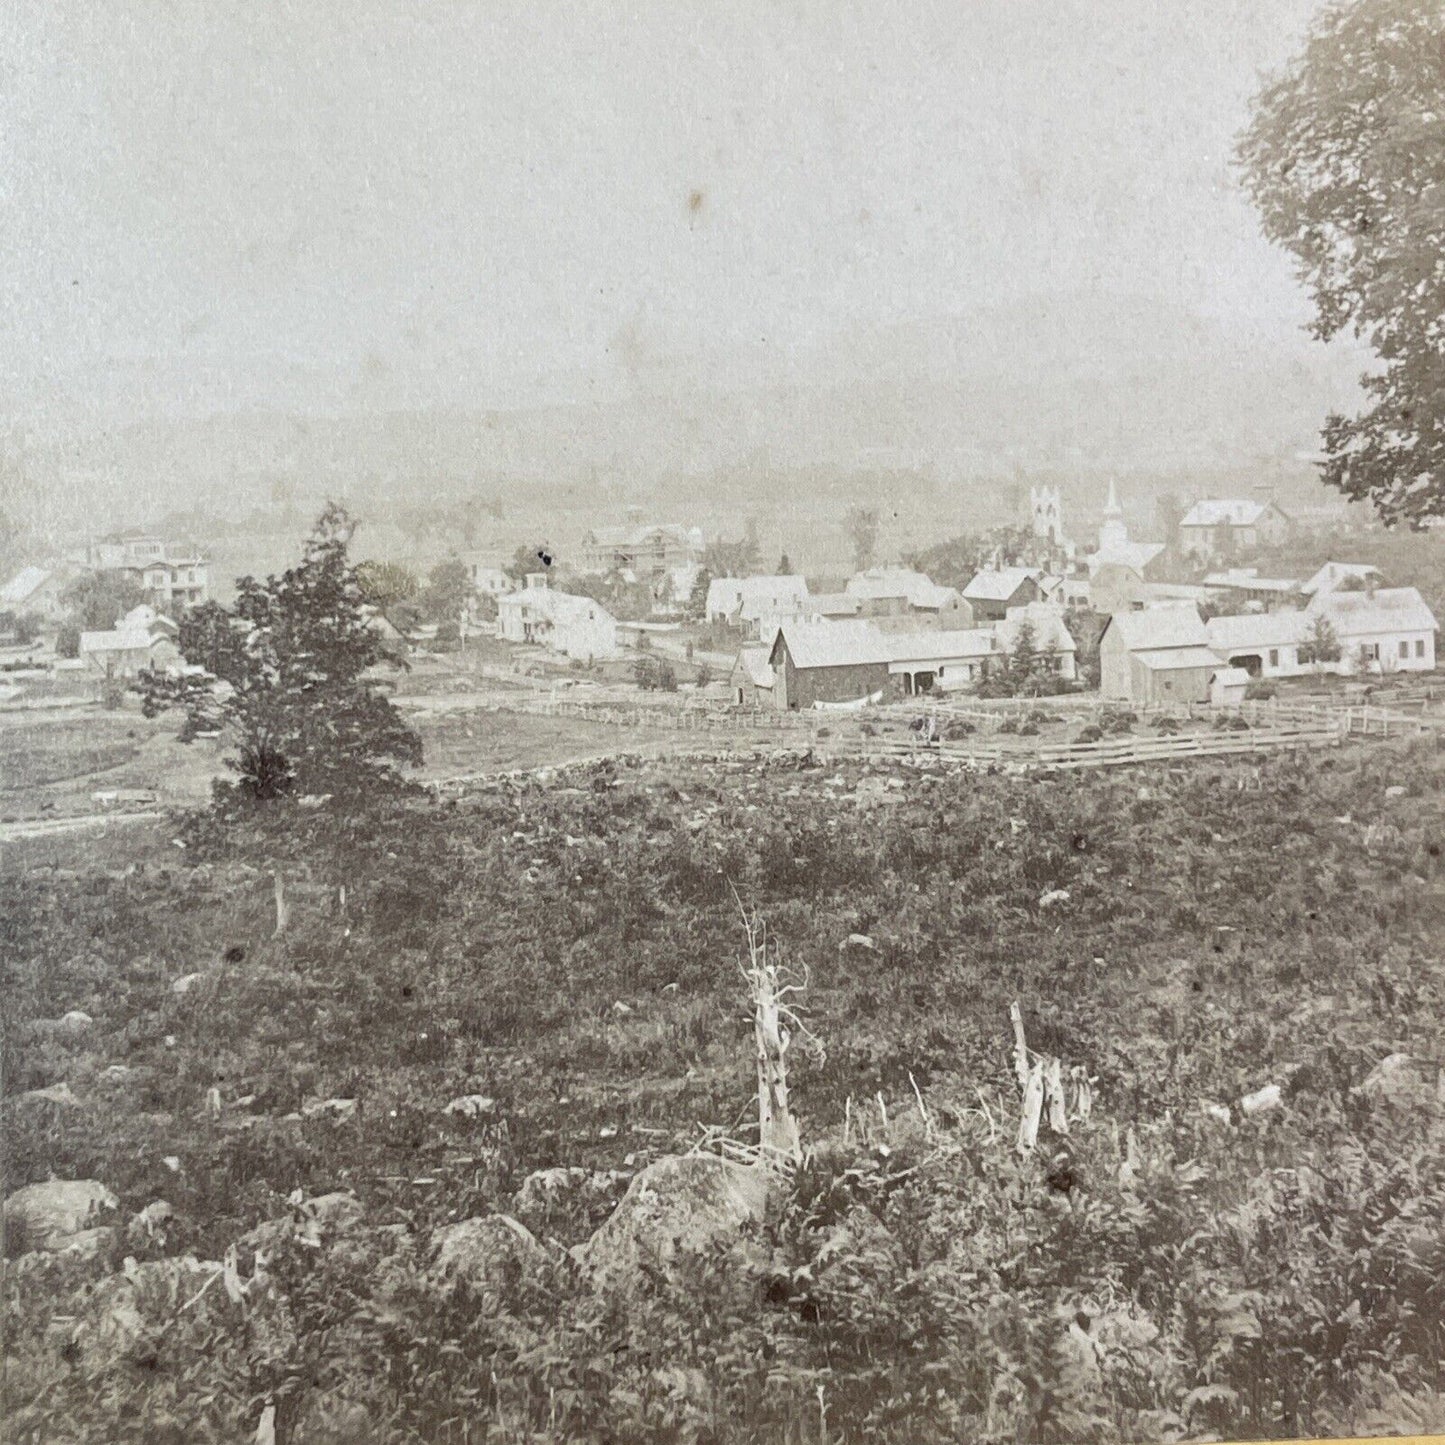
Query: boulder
[
  {"x": 472, "y": 1106},
  {"x": 313, "y": 1222},
  {"x": 492, "y": 1252},
  {"x": 73, "y": 1023},
  {"x": 1399, "y": 1080},
  {"x": 186, "y": 982},
  {"x": 56, "y": 1094},
  {"x": 47, "y": 1216},
  {"x": 677, "y": 1206}
]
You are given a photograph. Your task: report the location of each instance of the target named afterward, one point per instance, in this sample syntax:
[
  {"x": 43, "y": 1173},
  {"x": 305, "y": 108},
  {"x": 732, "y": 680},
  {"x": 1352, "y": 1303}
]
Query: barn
[
  {"x": 1159, "y": 655},
  {"x": 827, "y": 662}
]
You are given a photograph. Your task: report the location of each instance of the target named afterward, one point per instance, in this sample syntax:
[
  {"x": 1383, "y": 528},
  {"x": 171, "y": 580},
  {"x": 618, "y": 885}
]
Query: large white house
[
  {"x": 577, "y": 627},
  {"x": 756, "y": 602},
  {"x": 1389, "y": 629}
]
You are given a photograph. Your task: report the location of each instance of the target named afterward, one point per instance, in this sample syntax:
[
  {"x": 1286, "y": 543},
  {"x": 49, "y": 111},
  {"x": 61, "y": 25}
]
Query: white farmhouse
[
  {"x": 577, "y": 627},
  {"x": 756, "y": 602},
  {"x": 1264, "y": 644},
  {"x": 1389, "y": 629}
]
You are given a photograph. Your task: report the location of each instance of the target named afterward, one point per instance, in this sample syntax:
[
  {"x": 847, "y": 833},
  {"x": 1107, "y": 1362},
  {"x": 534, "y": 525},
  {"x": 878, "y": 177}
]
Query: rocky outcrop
[
  {"x": 50, "y": 1216},
  {"x": 491, "y": 1253},
  {"x": 675, "y": 1207}
]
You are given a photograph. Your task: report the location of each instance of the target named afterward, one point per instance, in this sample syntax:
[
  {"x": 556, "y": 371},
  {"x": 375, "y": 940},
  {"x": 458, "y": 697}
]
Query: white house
[
  {"x": 34, "y": 590},
  {"x": 1052, "y": 639},
  {"x": 123, "y": 652},
  {"x": 1223, "y": 526},
  {"x": 919, "y": 591},
  {"x": 1334, "y": 575},
  {"x": 1390, "y": 629},
  {"x": 993, "y": 591},
  {"x": 756, "y": 601},
  {"x": 1264, "y": 644},
  {"x": 577, "y": 627}
]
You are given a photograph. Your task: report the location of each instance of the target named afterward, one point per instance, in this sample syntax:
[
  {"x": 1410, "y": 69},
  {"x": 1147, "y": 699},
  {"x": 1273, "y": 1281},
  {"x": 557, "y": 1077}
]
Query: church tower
[{"x": 1046, "y": 511}]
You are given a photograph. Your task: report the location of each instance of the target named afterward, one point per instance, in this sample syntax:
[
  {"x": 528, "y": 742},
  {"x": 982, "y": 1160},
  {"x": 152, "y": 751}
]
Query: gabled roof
[
  {"x": 754, "y": 596},
  {"x": 1247, "y": 579},
  {"x": 1158, "y": 628},
  {"x": 1225, "y": 512},
  {"x": 125, "y": 640},
  {"x": 942, "y": 645},
  {"x": 832, "y": 644},
  {"x": 1257, "y": 630},
  {"x": 921, "y": 591},
  {"x": 999, "y": 586},
  {"x": 1050, "y": 633},
  {"x": 1232, "y": 677},
  {"x": 1174, "y": 659},
  {"x": 833, "y": 604},
  {"x": 24, "y": 585},
  {"x": 556, "y": 606},
  {"x": 1389, "y": 609},
  {"x": 1333, "y": 573},
  {"x": 1136, "y": 556},
  {"x": 753, "y": 660}
]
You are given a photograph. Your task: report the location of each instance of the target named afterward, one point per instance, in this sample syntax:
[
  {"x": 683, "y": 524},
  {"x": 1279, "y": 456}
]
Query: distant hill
[{"x": 1075, "y": 386}]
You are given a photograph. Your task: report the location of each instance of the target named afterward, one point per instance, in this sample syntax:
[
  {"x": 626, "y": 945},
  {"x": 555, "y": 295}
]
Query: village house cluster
[
  {"x": 891, "y": 631},
  {"x": 1113, "y": 614}
]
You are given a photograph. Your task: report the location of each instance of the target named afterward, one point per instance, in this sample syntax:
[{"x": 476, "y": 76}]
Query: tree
[
  {"x": 284, "y": 675},
  {"x": 448, "y": 587},
  {"x": 863, "y": 526},
  {"x": 95, "y": 600},
  {"x": 67, "y": 641},
  {"x": 697, "y": 600},
  {"x": 785, "y": 566},
  {"x": 384, "y": 584},
  {"x": 1321, "y": 643},
  {"x": 1345, "y": 159},
  {"x": 529, "y": 557},
  {"x": 732, "y": 559}
]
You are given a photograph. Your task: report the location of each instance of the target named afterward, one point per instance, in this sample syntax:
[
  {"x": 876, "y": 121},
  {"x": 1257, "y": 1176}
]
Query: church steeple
[{"x": 1113, "y": 531}]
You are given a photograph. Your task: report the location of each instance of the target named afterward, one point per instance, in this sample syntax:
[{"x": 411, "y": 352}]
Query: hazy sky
[{"x": 320, "y": 205}]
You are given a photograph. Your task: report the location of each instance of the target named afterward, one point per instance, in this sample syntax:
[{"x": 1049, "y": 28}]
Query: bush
[
  {"x": 1090, "y": 734},
  {"x": 1260, "y": 690}
]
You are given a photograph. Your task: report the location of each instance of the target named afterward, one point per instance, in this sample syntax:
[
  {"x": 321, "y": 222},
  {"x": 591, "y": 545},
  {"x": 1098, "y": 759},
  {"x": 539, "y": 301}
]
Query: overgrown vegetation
[
  {"x": 1161, "y": 1273},
  {"x": 284, "y": 673}
]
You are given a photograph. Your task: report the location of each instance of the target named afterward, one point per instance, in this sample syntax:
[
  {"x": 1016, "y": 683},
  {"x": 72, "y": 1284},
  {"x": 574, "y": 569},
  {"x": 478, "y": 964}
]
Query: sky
[{"x": 317, "y": 206}]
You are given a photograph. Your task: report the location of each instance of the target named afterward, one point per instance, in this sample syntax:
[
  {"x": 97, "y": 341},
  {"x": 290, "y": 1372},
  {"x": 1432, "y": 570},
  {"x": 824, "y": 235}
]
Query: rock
[
  {"x": 337, "y": 1108},
  {"x": 313, "y": 1222},
  {"x": 152, "y": 1220},
  {"x": 126, "y": 1307},
  {"x": 73, "y": 1023},
  {"x": 116, "y": 1074},
  {"x": 549, "y": 1190},
  {"x": 1398, "y": 1080},
  {"x": 471, "y": 1106},
  {"x": 493, "y": 1252},
  {"x": 623, "y": 1010},
  {"x": 87, "y": 1243},
  {"x": 1261, "y": 1100},
  {"x": 55, "y": 1094},
  {"x": 1395, "y": 790},
  {"x": 186, "y": 982},
  {"x": 679, "y": 1205},
  {"x": 47, "y": 1215},
  {"x": 858, "y": 940},
  {"x": 1053, "y": 897}
]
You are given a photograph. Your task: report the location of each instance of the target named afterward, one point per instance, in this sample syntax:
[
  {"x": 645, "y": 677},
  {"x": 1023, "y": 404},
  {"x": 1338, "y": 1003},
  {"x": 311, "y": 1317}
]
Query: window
[
  {"x": 1419, "y": 647},
  {"x": 1274, "y": 657}
]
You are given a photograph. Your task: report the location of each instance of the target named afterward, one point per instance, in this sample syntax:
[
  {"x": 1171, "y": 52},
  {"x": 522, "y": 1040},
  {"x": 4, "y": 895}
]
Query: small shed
[
  {"x": 1227, "y": 686},
  {"x": 751, "y": 680}
]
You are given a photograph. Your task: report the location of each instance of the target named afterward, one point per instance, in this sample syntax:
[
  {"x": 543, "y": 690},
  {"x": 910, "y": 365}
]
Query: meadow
[{"x": 567, "y": 956}]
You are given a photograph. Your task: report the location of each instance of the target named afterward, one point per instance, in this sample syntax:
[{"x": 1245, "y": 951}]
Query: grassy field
[{"x": 571, "y": 953}]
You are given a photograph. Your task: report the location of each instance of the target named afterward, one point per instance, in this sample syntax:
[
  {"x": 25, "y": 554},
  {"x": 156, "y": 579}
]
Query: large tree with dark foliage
[
  {"x": 95, "y": 601},
  {"x": 1345, "y": 158},
  {"x": 284, "y": 673}
]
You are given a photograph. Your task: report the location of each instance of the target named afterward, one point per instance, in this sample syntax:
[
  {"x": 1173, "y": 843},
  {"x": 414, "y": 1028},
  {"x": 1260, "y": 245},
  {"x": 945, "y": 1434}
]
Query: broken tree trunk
[
  {"x": 1021, "y": 1048},
  {"x": 777, "y": 1129},
  {"x": 283, "y": 911}
]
